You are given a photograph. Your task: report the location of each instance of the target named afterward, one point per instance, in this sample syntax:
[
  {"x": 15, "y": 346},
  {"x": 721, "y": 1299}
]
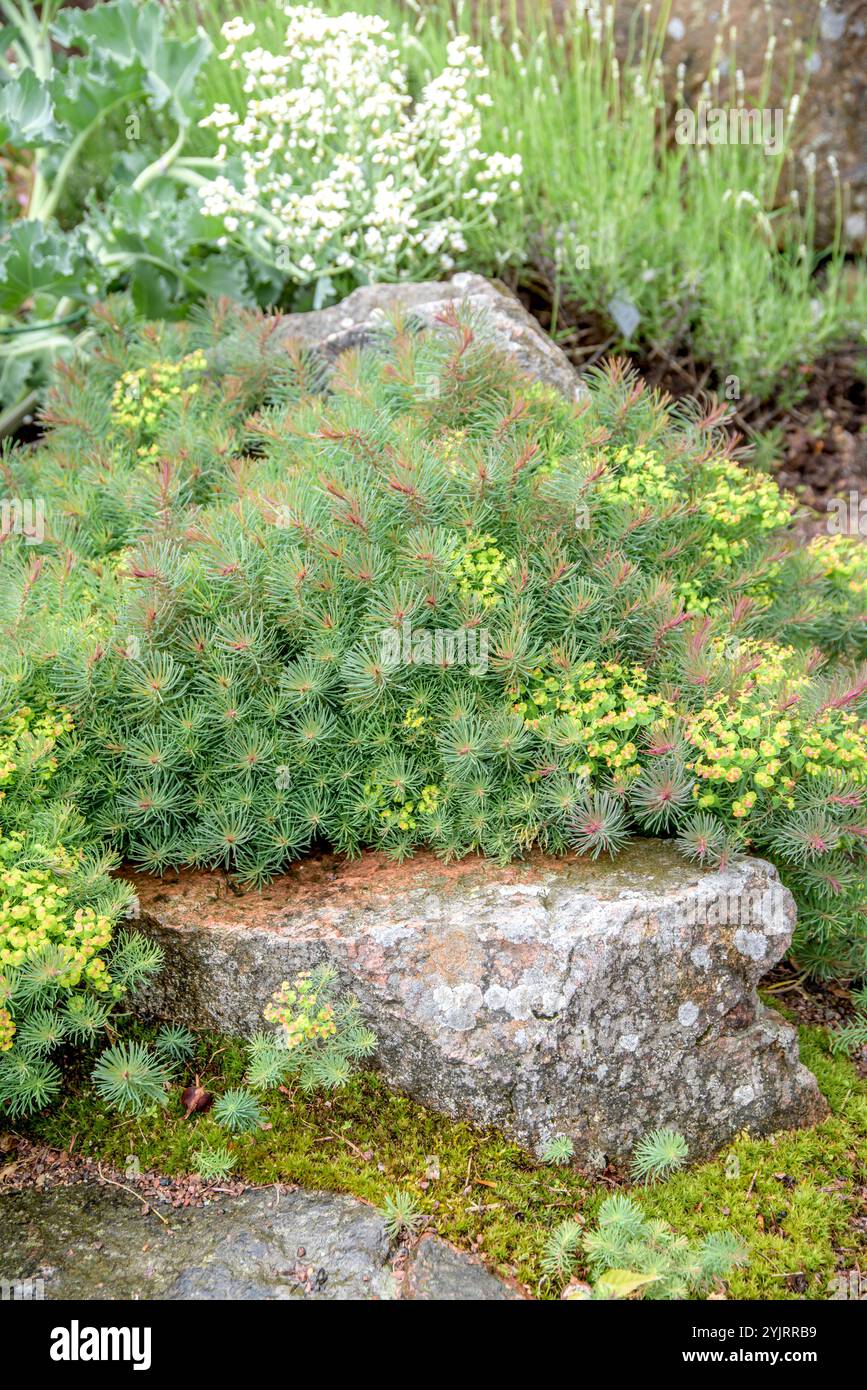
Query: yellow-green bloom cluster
[
  {"x": 26, "y": 741},
  {"x": 843, "y": 560},
  {"x": 451, "y": 445},
  {"x": 746, "y": 750},
  {"x": 395, "y": 809},
  {"x": 604, "y": 707},
  {"x": 767, "y": 664},
  {"x": 414, "y": 720},
  {"x": 746, "y": 754},
  {"x": 552, "y": 417},
  {"x": 35, "y": 914},
  {"x": 142, "y": 396},
  {"x": 297, "y": 1009},
  {"x": 741, "y": 505},
  {"x": 641, "y": 479},
  {"x": 7, "y": 1030},
  {"x": 481, "y": 569}
]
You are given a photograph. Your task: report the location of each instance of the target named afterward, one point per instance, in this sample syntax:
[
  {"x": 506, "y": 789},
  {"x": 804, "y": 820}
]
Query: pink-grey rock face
[
  {"x": 356, "y": 320},
  {"x": 596, "y": 1000}
]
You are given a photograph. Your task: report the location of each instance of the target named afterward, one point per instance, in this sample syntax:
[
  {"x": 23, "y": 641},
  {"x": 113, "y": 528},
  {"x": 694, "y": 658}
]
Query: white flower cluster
[{"x": 334, "y": 167}]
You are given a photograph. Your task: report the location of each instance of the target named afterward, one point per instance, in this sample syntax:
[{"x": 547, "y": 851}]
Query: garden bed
[
  {"x": 397, "y": 657},
  {"x": 812, "y": 434},
  {"x": 797, "y": 1200}
]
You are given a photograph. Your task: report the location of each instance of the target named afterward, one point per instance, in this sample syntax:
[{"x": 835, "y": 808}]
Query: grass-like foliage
[
  {"x": 428, "y": 602},
  {"x": 214, "y": 1162},
  {"x": 658, "y": 1155},
  {"x": 144, "y": 153},
  {"x": 402, "y": 1215},
  {"x": 558, "y": 1151},
  {"x": 129, "y": 1077},
  {"x": 238, "y": 1111}
]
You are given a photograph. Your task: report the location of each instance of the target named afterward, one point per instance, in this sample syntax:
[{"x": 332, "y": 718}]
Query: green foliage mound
[
  {"x": 427, "y": 602},
  {"x": 630, "y": 1255},
  {"x": 62, "y": 971}
]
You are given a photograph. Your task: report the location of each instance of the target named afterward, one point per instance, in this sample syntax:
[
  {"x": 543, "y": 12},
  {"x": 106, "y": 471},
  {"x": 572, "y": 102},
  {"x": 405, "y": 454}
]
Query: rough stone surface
[
  {"x": 89, "y": 1241},
  {"x": 358, "y": 318},
  {"x": 436, "y": 1270},
  {"x": 596, "y": 1000}
]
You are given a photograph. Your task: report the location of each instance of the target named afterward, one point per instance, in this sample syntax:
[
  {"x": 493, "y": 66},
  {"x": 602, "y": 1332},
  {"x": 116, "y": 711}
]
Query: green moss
[{"x": 792, "y": 1197}]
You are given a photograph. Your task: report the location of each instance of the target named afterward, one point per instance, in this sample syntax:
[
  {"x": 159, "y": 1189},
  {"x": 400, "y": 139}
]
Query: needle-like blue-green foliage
[
  {"x": 630, "y": 1255},
  {"x": 237, "y": 1110},
  {"x": 402, "y": 1214},
  {"x": 422, "y": 601},
  {"x": 174, "y": 1043},
  {"x": 129, "y": 1077},
  {"x": 60, "y": 971},
  {"x": 558, "y": 1151},
  {"x": 213, "y": 1162},
  {"x": 658, "y": 1155}
]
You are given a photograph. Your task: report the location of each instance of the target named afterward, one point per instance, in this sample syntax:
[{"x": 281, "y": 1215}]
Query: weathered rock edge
[
  {"x": 362, "y": 315},
  {"x": 549, "y": 997},
  {"x": 89, "y": 1241}
]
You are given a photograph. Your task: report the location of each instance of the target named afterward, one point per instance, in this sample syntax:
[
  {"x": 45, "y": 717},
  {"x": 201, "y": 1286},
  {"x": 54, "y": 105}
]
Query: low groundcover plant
[
  {"x": 221, "y": 577},
  {"x": 631, "y": 1255},
  {"x": 61, "y": 971}
]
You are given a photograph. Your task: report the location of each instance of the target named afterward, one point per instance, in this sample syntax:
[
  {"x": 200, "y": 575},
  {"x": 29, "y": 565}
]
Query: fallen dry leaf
[{"x": 195, "y": 1098}]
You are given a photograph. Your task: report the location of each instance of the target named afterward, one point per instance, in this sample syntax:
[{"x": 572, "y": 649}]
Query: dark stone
[{"x": 92, "y": 1241}]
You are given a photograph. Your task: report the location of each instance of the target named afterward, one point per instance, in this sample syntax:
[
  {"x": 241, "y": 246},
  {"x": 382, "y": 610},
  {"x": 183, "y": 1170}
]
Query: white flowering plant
[
  {"x": 334, "y": 165},
  {"x": 334, "y": 170}
]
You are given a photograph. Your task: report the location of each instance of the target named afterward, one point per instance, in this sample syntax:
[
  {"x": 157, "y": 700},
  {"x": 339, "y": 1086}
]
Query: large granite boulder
[
  {"x": 89, "y": 1241},
  {"x": 596, "y": 1000},
  {"x": 356, "y": 320}
]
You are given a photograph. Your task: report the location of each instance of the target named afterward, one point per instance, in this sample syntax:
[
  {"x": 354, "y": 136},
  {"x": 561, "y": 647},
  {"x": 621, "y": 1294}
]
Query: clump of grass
[
  {"x": 558, "y": 1151},
  {"x": 214, "y": 1162},
  {"x": 402, "y": 1214},
  {"x": 174, "y": 1044},
  {"x": 658, "y": 1155},
  {"x": 613, "y": 210},
  {"x": 238, "y": 1111}
]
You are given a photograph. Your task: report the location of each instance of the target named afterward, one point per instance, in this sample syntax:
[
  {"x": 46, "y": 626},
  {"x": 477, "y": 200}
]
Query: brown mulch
[
  {"x": 814, "y": 1002},
  {"x": 825, "y": 438},
  {"x": 24, "y": 1163}
]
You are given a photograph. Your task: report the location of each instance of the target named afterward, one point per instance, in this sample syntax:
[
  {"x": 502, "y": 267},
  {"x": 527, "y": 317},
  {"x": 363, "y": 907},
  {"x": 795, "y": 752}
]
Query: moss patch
[{"x": 792, "y": 1197}]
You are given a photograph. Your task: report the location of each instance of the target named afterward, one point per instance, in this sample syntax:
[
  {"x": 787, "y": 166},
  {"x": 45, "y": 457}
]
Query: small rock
[
  {"x": 361, "y": 316},
  {"x": 246, "y": 1247}
]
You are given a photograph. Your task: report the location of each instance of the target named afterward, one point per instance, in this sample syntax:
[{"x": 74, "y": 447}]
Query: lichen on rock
[{"x": 595, "y": 1000}]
